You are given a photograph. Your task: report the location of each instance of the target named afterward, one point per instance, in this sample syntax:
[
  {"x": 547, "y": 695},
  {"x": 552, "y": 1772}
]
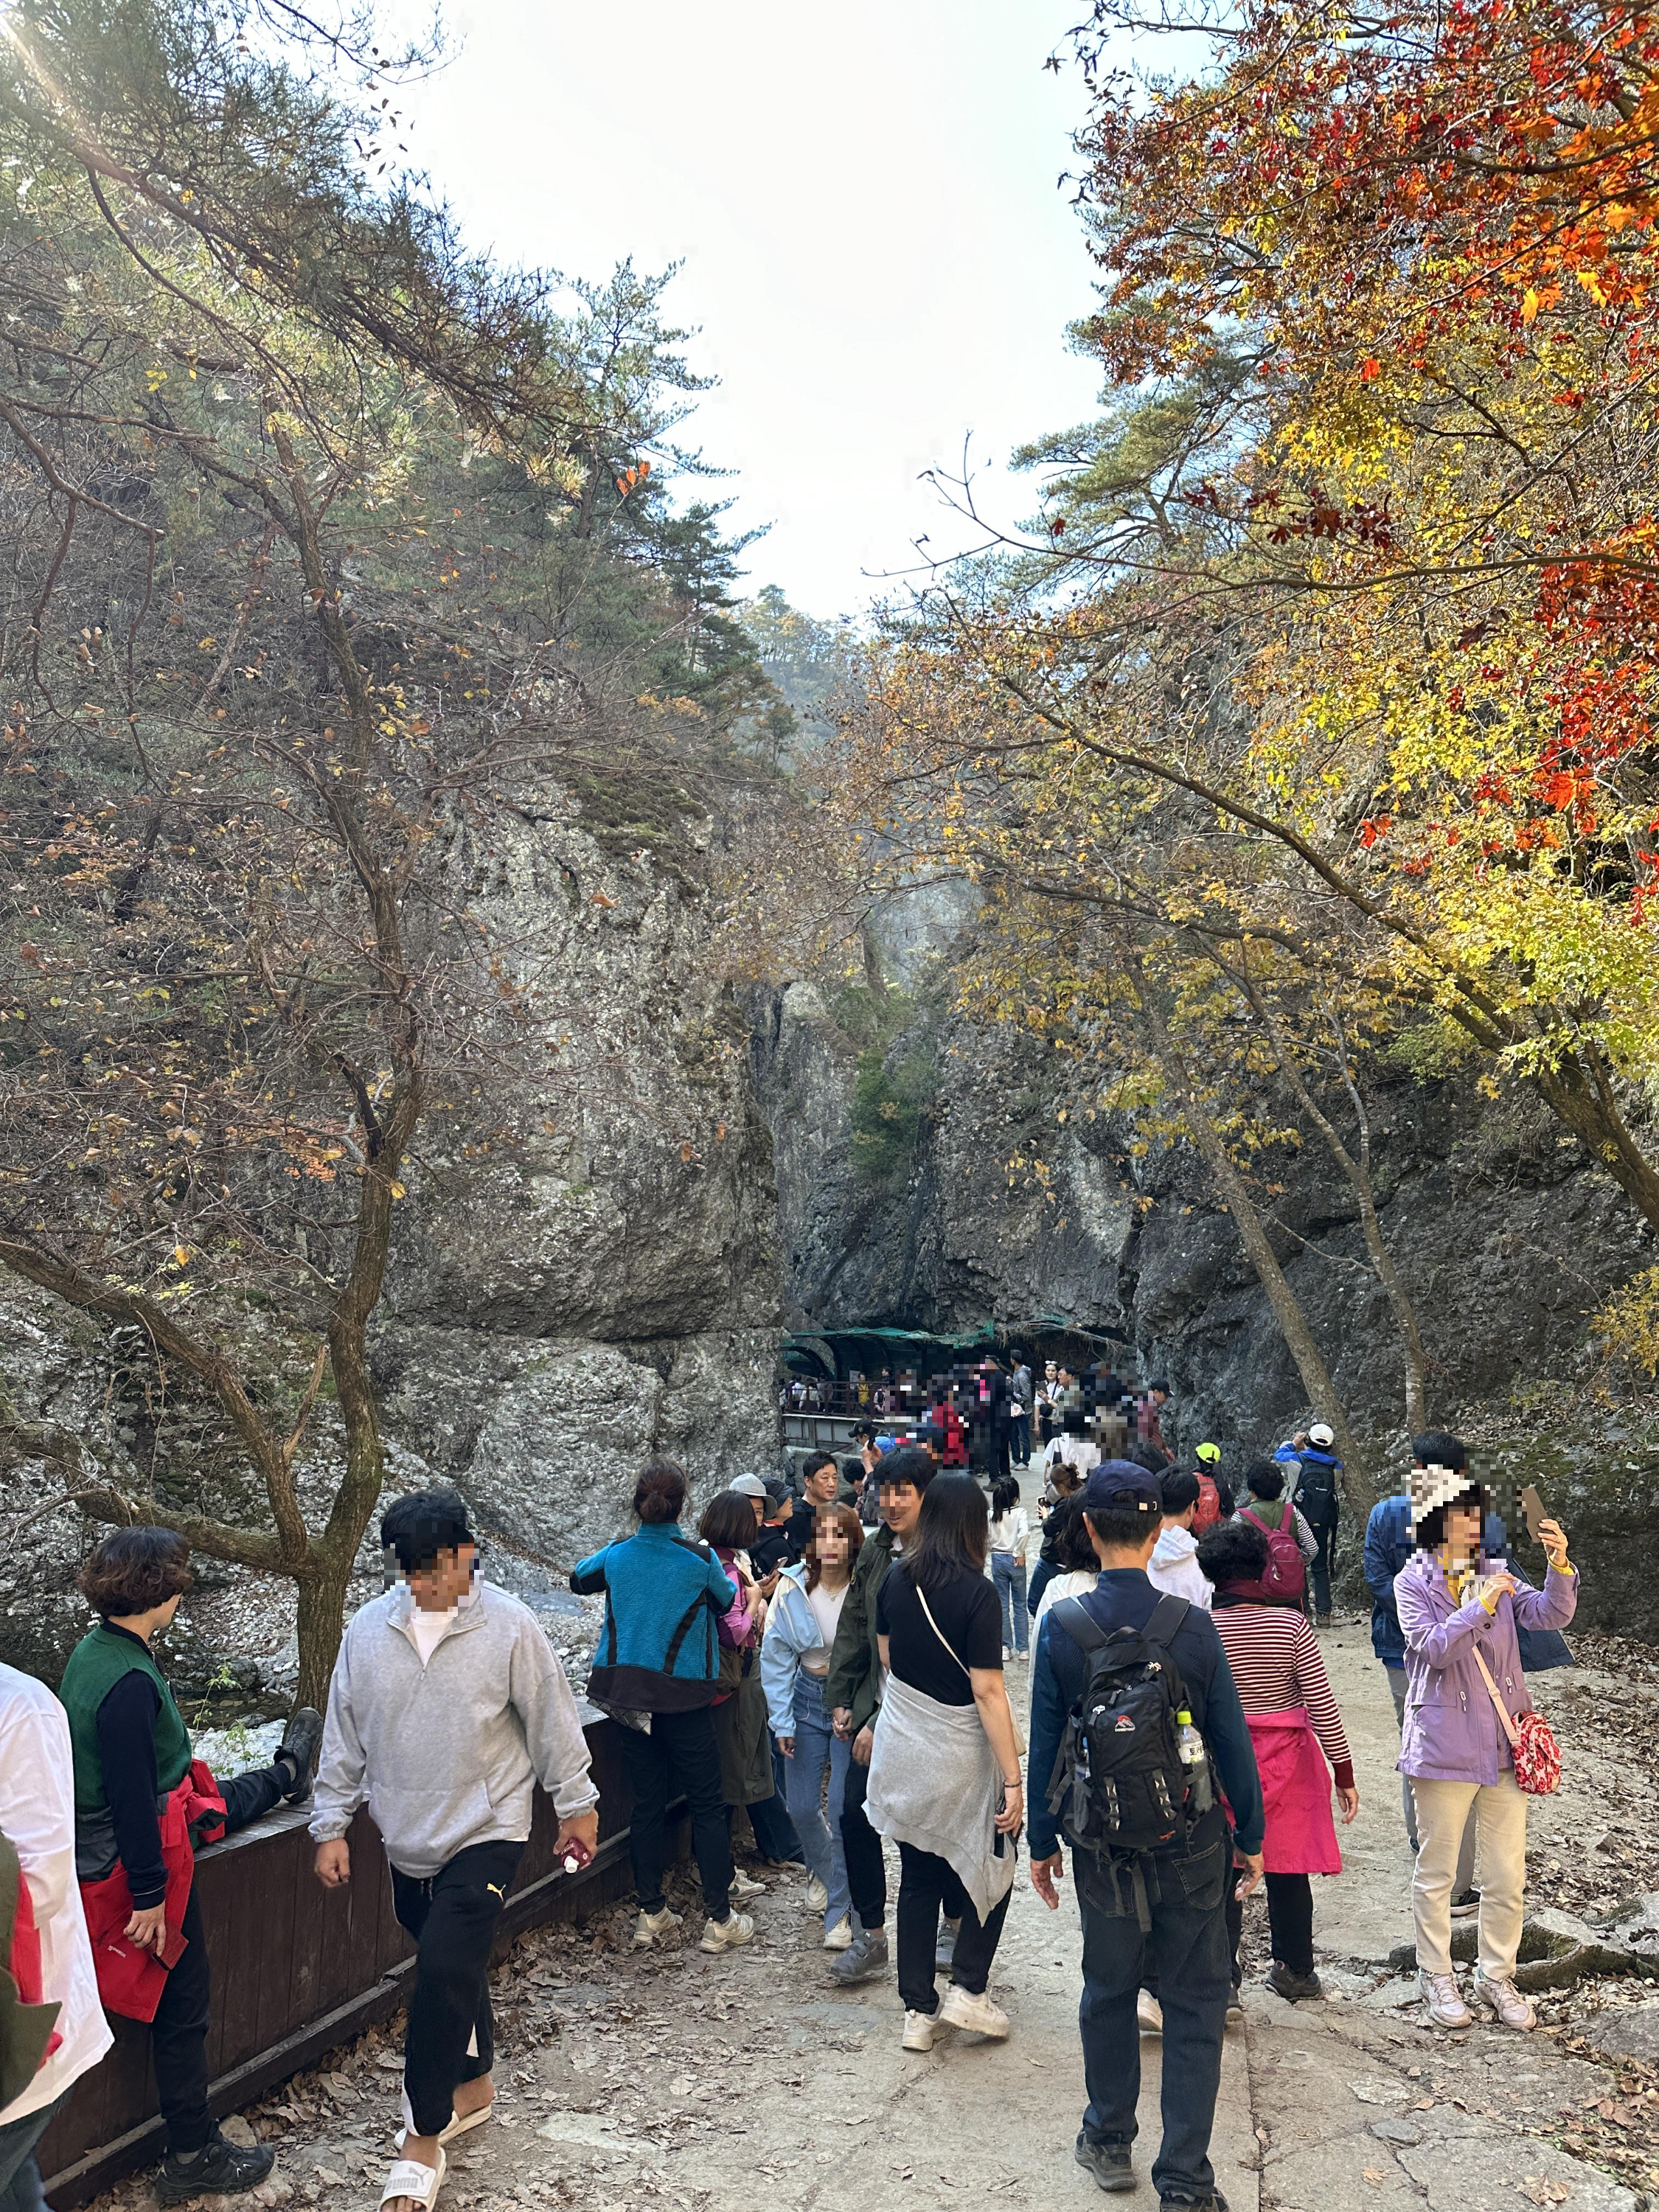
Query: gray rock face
[
  {"x": 51, "y": 1373},
  {"x": 1508, "y": 1240},
  {"x": 583, "y": 1271},
  {"x": 605, "y": 1286},
  {"x": 1632, "y": 2033},
  {"x": 544, "y": 1438},
  {"x": 963, "y": 1240}
]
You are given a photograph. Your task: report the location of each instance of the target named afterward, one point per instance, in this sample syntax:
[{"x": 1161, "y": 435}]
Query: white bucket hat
[{"x": 1434, "y": 1486}]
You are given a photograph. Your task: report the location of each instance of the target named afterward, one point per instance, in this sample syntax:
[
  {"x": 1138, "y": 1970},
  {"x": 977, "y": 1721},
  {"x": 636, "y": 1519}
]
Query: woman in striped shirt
[{"x": 1296, "y": 1727}]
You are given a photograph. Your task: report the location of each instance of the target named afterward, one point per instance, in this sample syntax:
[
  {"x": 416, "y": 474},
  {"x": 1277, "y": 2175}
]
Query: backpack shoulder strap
[
  {"x": 1287, "y": 1517},
  {"x": 1165, "y": 1618},
  {"x": 1245, "y": 1514},
  {"x": 1080, "y": 1623}
]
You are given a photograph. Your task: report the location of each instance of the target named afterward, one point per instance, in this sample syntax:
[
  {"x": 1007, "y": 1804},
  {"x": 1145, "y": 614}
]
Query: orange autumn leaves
[{"x": 1425, "y": 245}]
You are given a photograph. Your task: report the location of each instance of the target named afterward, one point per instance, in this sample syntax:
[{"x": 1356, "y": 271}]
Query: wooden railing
[{"x": 298, "y": 1969}]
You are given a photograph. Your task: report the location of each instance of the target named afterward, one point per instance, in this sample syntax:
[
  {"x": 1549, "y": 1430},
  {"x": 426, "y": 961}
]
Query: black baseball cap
[{"x": 1118, "y": 1485}]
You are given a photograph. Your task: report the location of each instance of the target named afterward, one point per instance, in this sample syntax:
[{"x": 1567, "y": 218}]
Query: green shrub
[{"x": 888, "y": 1105}]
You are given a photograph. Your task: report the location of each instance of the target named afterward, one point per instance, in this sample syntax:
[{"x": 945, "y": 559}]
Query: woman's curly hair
[{"x": 132, "y": 1570}]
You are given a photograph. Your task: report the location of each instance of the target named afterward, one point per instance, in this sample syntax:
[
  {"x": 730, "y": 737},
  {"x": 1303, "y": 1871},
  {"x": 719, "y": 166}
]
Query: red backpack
[
  {"x": 1207, "y": 1513},
  {"x": 1285, "y": 1576}
]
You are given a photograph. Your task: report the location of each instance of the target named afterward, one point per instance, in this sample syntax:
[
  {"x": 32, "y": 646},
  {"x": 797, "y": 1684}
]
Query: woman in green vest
[{"x": 134, "y": 1794}]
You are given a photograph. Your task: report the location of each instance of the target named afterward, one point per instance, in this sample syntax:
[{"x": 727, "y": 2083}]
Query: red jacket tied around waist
[
  {"x": 1295, "y": 1726},
  {"x": 130, "y": 1980}
]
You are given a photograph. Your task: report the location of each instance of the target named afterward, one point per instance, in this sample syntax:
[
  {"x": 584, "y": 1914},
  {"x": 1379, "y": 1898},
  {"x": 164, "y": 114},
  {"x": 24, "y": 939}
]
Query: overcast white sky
[{"x": 864, "y": 200}]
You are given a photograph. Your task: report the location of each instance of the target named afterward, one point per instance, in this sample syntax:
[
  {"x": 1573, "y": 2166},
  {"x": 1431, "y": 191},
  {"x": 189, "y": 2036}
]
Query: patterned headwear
[{"x": 1434, "y": 1486}]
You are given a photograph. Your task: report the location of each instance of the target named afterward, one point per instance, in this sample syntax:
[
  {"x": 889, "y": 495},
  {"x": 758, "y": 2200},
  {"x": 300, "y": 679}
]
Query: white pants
[
  {"x": 1500, "y": 1819},
  {"x": 1465, "y": 1880}
]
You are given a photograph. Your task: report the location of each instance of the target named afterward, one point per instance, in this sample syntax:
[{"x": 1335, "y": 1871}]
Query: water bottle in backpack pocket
[{"x": 1130, "y": 1778}]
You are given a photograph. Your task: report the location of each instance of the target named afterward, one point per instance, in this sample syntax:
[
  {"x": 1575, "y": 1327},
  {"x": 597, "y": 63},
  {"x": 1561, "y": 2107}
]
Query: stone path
[
  {"x": 1358, "y": 2103},
  {"x": 690, "y": 2080},
  {"x": 751, "y": 2081}
]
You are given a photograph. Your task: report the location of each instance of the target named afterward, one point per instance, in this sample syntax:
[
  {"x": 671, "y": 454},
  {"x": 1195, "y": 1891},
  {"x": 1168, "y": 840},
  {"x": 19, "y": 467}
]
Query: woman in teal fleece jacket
[{"x": 658, "y": 1655}]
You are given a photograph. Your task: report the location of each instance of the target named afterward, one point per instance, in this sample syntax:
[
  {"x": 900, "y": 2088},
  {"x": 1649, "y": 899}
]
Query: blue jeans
[
  {"x": 1008, "y": 1573},
  {"x": 1019, "y": 1437},
  {"x": 1187, "y": 1958},
  {"x": 816, "y": 1746}
]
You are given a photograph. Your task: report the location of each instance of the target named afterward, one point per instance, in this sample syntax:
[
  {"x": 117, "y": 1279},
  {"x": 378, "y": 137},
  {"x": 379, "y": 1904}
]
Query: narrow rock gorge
[
  {"x": 1508, "y": 1238},
  {"x": 602, "y": 1287}
]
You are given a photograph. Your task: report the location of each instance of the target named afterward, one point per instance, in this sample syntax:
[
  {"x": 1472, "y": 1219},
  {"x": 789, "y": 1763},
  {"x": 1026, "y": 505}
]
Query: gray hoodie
[{"x": 448, "y": 1754}]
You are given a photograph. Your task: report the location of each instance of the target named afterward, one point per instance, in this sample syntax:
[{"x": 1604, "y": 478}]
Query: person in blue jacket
[
  {"x": 1316, "y": 1490},
  {"x": 658, "y": 1654},
  {"x": 1389, "y": 1544},
  {"x": 1186, "y": 1943}
]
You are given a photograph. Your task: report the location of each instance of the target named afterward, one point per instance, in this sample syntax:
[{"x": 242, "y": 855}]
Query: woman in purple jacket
[{"x": 1453, "y": 1745}]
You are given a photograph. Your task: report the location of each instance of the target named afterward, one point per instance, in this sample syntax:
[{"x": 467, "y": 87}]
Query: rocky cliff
[
  {"x": 1507, "y": 1238},
  {"x": 585, "y": 1272}
]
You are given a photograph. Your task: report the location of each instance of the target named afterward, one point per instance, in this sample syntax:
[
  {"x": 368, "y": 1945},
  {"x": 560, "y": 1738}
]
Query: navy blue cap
[{"x": 1118, "y": 1485}]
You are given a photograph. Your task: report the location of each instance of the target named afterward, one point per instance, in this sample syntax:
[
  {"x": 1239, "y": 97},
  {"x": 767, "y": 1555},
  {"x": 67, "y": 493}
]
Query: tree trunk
[
  {"x": 323, "y": 1592},
  {"x": 1358, "y": 1175},
  {"x": 1582, "y": 1099},
  {"x": 322, "y": 1623},
  {"x": 1287, "y": 1309}
]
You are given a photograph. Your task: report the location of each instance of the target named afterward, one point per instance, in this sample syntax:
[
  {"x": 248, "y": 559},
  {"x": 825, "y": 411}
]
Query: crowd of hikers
[{"x": 847, "y": 1667}]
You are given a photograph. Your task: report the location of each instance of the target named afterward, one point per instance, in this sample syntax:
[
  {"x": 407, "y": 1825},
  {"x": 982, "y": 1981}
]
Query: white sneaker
[
  {"x": 1506, "y": 2002},
  {"x": 817, "y": 1897},
  {"x": 960, "y": 2008},
  {"x": 742, "y": 1887},
  {"x": 728, "y": 1934},
  {"x": 1446, "y": 2005},
  {"x": 1149, "y": 2013},
  {"x": 918, "y": 2031},
  {"x": 839, "y": 1938},
  {"x": 650, "y": 1925}
]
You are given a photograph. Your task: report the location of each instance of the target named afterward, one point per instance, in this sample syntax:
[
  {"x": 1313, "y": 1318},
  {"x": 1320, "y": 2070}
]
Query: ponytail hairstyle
[{"x": 659, "y": 1493}]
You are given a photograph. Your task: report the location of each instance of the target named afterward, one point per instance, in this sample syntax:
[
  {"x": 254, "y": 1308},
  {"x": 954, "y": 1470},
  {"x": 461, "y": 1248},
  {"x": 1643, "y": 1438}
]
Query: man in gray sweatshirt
[{"x": 447, "y": 1707}]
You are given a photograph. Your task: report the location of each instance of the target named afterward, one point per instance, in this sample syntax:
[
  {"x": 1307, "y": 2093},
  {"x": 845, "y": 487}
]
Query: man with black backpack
[
  {"x": 1314, "y": 1474},
  {"x": 1135, "y": 1717}
]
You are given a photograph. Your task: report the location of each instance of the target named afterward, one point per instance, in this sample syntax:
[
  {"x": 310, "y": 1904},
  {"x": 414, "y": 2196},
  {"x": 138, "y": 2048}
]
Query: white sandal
[
  {"x": 410, "y": 2179},
  {"x": 460, "y": 2123},
  {"x": 457, "y": 2124}
]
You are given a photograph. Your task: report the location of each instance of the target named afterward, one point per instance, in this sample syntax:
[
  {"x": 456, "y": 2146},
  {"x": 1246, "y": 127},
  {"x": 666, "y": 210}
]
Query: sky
[{"x": 878, "y": 258}]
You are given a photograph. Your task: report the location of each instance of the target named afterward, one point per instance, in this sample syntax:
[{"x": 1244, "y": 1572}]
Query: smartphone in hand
[{"x": 1533, "y": 1506}]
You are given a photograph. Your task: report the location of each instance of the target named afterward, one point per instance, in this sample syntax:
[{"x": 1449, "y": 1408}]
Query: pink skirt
[{"x": 1296, "y": 1784}]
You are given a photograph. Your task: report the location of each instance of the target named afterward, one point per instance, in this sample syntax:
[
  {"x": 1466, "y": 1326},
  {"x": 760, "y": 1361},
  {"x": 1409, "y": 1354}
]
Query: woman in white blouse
[
  {"x": 801, "y": 1634},
  {"x": 1011, "y": 1532}
]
